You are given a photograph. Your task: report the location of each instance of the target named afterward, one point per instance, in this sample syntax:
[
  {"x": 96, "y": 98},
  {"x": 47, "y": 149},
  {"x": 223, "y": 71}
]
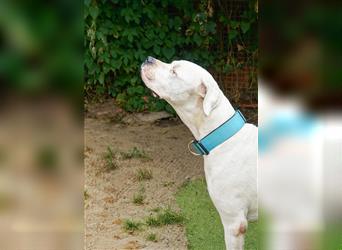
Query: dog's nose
[{"x": 149, "y": 60}]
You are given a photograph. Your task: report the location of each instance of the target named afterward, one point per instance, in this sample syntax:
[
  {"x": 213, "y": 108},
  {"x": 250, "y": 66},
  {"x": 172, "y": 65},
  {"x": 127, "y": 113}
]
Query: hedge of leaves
[{"x": 120, "y": 34}]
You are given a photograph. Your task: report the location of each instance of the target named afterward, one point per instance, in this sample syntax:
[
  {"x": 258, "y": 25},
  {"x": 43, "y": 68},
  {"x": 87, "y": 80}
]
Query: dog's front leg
[{"x": 234, "y": 233}]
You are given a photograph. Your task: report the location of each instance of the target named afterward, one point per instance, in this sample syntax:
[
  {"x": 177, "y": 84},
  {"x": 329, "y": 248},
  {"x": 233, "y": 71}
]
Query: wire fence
[{"x": 240, "y": 84}]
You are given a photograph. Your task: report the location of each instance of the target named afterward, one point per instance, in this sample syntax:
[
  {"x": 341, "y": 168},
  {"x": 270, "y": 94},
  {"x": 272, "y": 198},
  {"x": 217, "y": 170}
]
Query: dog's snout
[{"x": 149, "y": 60}]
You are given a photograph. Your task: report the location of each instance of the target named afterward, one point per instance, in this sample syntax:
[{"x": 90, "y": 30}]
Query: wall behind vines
[{"x": 120, "y": 34}]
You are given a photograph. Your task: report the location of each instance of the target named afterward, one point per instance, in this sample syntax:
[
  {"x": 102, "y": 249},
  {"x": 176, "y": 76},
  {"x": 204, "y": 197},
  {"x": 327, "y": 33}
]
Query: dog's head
[{"x": 181, "y": 82}]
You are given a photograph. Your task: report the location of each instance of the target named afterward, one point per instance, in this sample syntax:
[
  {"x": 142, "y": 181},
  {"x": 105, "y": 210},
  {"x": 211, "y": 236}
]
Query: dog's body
[{"x": 230, "y": 168}]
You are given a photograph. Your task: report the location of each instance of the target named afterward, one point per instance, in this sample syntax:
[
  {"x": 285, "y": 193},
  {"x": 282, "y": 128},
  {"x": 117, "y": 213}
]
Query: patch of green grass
[
  {"x": 151, "y": 237},
  {"x": 134, "y": 153},
  {"x": 331, "y": 238},
  {"x": 143, "y": 174},
  {"x": 109, "y": 158},
  {"x": 165, "y": 217},
  {"x": 202, "y": 217},
  {"x": 131, "y": 226},
  {"x": 138, "y": 199}
]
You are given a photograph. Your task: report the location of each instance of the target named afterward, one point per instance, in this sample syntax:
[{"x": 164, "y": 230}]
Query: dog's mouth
[
  {"x": 155, "y": 94},
  {"x": 147, "y": 76},
  {"x": 146, "y": 73}
]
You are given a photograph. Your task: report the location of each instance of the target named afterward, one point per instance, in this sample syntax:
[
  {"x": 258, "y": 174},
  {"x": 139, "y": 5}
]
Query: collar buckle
[
  {"x": 197, "y": 146},
  {"x": 190, "y": 148}
]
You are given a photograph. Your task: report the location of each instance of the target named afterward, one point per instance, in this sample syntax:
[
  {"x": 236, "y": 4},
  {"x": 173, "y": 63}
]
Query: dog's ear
[{"x": 211, "y": 93}]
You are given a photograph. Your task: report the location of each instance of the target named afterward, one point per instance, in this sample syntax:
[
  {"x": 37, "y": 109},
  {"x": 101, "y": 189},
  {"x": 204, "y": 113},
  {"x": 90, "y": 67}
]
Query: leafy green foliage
[{"x": 121, "y": 34}]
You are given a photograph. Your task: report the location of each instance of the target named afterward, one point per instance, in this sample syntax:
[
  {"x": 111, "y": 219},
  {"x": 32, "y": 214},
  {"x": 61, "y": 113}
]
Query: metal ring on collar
[{"x": 192, "y": 152}]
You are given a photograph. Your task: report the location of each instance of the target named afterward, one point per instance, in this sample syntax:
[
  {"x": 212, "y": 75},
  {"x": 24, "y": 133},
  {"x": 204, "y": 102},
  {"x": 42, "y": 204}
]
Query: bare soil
[{"x": 109, "y": 191}]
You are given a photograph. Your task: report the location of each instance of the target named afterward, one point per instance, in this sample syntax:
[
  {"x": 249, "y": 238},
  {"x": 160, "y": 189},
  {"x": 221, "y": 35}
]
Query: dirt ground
[{"x": 109, "y": 192}]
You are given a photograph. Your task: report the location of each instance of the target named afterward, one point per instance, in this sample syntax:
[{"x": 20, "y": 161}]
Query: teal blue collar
[{"x": 218, "y": 136}]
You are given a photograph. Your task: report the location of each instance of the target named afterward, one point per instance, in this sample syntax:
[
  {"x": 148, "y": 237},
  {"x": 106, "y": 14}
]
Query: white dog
[{"x": 231, "y": 167}]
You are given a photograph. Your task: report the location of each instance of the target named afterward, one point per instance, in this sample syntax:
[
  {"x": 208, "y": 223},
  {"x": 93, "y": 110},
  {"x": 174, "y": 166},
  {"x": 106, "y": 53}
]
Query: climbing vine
[{"x": 120, "y": 34}]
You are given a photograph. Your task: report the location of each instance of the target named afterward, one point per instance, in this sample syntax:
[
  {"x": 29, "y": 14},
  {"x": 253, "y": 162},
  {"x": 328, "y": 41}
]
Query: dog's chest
[{"x": 230, "y": 169}]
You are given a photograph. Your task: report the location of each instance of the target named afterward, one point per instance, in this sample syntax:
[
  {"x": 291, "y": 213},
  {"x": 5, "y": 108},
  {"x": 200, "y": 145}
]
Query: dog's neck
[{"x": 199, "y": 124}]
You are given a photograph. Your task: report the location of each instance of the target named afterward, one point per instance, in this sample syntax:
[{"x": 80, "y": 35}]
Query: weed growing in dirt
[
  {"x": 152, "y": 221},
  {"x": 138, "y": 199},
  {"x": 166, "y": 217},
  {"x": 170, "y": 217},
  {"x": 151, "y": 237},
  {"x": 143, "y": 174},
  {"x": 156, "y": 209},
  {"x": 134, "y": 153},
  {"x": 131, "y": 226},
  {"x": 168, "y": 183},
  {"x": 142, "y": 188},
  {"x": 85, "y": 195},
  {"x": 109, "y": 157}
]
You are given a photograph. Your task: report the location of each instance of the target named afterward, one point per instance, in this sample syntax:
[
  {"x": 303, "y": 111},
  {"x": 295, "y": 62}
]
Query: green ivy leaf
[
  {"x": 164, "y": 3},
  {"x": 245, "y": 26},
  {"x": 234, "y": 24},
  {"x": 168, "y": 52},
  {"x": 146, "y": 44},
  {"x": 224, "y": 19},
  {"x": 121, "y": 98},
  {"x": 87, "y": 2},
  {"x": 140, "y": 90},
  {"x": 100, "y": 89},
  {"x": 232, "y": 34},
  {"x": 116, "y": 64},
  {"x": 197, "y": 39},
  {"x": 134, "y": 79},
  {"x": 162, "y": 35},
  {"x": 211, "y": 27},
  {"x": 156, "y": 49},
  {"x": 94, "y": 11},
  {"x": 149, "y": 13},
  {"x": 131, "y": 91},
  {"x": 101, "y": 78}
]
